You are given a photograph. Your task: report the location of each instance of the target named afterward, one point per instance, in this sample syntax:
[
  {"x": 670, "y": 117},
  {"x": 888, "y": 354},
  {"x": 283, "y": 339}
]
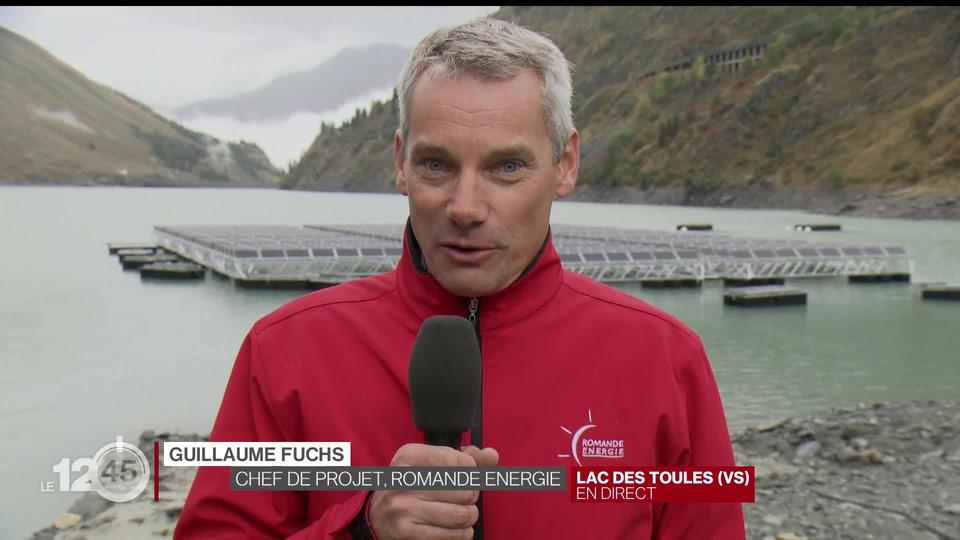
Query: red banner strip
[{"x": 156, "y": 470}]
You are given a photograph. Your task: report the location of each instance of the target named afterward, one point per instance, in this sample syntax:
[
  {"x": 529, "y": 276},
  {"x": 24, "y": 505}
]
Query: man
[{"x": 486, "y": 142}]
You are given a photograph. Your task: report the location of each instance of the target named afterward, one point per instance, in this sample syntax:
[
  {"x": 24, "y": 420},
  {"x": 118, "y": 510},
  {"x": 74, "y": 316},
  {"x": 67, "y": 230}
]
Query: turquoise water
[{"x": 90, "y": 352}]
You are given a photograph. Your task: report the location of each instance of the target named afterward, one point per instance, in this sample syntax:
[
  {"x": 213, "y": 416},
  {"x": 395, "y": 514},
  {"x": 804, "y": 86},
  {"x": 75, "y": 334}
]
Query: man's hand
[{"x": 444, "y": 515}]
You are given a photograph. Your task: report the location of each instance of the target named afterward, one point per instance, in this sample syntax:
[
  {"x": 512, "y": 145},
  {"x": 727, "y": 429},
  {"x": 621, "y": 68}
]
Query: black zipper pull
[
  {"x": 476, "y": 434},
  {"x": 472, "y": 308}
]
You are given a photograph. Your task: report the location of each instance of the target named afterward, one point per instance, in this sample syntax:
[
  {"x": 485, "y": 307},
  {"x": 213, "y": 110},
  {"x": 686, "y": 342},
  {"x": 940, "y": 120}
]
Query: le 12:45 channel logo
[{"x": 118, "y": 472}]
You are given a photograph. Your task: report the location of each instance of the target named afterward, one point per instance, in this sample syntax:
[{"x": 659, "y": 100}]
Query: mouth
[{"x": 467, "y": 253}]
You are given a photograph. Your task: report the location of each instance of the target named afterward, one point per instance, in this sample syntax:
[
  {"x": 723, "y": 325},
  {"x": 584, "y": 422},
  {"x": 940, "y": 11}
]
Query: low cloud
[
  {"x": 171, "y": 56},
  {"x": 284, "y": 141}
]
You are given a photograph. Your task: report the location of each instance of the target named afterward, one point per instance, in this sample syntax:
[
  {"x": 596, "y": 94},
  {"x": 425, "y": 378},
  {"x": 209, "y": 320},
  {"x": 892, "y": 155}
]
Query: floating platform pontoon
[
  {"x": 114, "y": 247},
  {"x": 129, "y": 252},
  {"x": 941, "y": 291},
  {"x": 817, "y": 227},
  {"x": 172, "y": 270},
  {"x": 879, "y": 278},
  {"x": 770, "y": 295},
  {"x": 133, "y": 262},
  {"x": 737, "y": 282}
]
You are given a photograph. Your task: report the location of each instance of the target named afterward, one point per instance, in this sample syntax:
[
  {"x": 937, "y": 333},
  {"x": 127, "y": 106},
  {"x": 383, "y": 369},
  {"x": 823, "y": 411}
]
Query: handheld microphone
[{"x": 444, "y": 379}]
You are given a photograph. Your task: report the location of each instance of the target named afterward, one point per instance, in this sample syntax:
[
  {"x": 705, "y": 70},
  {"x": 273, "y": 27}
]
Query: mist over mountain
[
  {"x": 59, "y": 127},
  {"x": 349, "y": 73}
]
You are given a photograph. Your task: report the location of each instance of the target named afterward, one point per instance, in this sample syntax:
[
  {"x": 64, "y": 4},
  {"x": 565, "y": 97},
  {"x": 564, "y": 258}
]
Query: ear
[
  {"x": 398, "y": 163},
  {"x": 569, "y": 165}
]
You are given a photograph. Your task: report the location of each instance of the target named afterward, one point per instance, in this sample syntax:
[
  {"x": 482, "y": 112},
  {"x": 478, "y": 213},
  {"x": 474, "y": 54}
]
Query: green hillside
[
  {"x": 61, "y": 128},
  {"x": 824, "y": 108}
]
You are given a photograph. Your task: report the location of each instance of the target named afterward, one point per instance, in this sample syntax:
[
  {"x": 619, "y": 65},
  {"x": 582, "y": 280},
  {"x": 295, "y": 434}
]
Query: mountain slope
[
  {"x": 838, "y": 106},
  {"x": 60, "y": 127},
  {"x": 349, "y": 73}
]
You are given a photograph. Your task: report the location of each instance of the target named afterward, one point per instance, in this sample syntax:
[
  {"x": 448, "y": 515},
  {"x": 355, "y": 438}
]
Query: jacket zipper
[
  {"x": 472, "y": 307},
  {"x": 476, "y": 430}
]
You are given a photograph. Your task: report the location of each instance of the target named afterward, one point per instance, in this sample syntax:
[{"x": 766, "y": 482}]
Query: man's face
[{"x": 478, "y": 170}]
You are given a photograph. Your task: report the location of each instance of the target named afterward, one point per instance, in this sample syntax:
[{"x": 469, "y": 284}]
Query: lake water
[{"x": 89, "y": 352}]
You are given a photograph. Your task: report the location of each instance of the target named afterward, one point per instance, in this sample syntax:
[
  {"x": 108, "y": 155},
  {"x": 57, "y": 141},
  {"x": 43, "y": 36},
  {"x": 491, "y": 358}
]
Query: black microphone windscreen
[{"x": 445, "y": 375}]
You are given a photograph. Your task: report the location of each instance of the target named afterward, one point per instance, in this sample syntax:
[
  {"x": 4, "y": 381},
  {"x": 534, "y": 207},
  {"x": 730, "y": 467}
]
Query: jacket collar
[{"x": 530, "y": 292}]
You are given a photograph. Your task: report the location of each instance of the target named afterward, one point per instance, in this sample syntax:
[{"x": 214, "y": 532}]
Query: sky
[{"x": 171, "y": 56}]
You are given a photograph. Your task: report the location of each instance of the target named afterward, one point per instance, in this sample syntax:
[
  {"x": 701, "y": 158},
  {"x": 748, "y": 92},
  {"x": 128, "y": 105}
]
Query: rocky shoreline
[
  {"x": 754, "y": 194},
  {"x": 761, "y": 194},
  {"x": 888, "y": 470}
]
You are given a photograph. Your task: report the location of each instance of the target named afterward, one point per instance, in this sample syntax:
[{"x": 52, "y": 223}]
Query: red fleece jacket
[{"x": 559, "y": 352}]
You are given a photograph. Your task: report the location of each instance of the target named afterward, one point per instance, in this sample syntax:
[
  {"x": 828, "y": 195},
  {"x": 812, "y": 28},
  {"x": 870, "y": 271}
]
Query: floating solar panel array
[
  {"x": 722, "y": 255},
  {"x": 281, "y": 253},
  {"x": 335, "y": 253},
  {"x": 617, "y": 255}
]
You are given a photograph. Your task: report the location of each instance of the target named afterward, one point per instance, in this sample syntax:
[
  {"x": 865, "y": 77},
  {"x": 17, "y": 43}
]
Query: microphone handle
[
  {"x": 440, "y": 438},
  {"x": 452, "y": 440}
]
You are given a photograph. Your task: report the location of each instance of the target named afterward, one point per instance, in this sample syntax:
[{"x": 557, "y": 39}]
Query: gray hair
[{"x": 492, "y": 49}]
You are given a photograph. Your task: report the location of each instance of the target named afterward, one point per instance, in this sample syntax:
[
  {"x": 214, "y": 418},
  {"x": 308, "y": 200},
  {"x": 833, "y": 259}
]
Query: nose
[{"x": 467, "y": 205}]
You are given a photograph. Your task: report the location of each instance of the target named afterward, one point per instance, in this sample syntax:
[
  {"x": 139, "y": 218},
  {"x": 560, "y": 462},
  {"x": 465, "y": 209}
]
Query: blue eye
[
  {"x": 511, "y": 166},
  {"x": 434, "y": 165}
]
